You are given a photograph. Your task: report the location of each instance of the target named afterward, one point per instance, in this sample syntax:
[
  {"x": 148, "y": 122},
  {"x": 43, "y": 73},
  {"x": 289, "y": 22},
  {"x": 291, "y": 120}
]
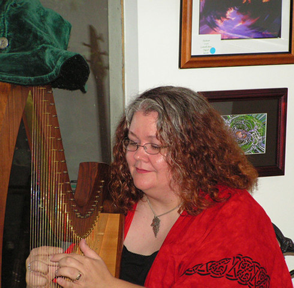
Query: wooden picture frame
[
  {"x": 254, "y": 102},
  {"x": 245, "y": 58}
]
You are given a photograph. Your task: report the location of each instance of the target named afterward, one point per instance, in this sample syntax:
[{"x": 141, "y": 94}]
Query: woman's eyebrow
[
  {"x": 132, "y": 134},
  {"x": 151, "y": 137}
]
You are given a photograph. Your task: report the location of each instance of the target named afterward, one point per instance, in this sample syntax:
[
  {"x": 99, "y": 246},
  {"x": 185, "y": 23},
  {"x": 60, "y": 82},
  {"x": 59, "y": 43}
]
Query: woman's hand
[
  {"x": 85, "y": 271},
  {"x": 40, "y": 270}
]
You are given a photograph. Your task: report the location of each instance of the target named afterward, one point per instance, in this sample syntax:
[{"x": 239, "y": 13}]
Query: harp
[{"x": 60, "y": 215}]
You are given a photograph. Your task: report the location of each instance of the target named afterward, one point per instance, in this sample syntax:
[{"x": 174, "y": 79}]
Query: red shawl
[{"x": 231, "y": 244}]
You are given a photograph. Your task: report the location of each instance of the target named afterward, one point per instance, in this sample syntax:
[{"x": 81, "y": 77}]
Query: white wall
[
  {"x": 152, "y": 59},
  {"x": 78, "y": 113}
]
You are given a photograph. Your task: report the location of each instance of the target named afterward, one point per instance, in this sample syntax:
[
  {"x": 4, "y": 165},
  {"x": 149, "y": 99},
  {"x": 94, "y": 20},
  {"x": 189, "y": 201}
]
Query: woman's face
[{"x": 150, "y": 172}]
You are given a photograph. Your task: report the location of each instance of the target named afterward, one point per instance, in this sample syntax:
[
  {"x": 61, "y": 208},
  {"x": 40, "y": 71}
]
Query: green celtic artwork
[{"x": 249, "y": 130}]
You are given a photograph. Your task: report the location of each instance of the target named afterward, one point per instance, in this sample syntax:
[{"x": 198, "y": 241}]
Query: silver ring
[
  {"x": 79, "y": 276},
  {"x": 29, "y": 267}
]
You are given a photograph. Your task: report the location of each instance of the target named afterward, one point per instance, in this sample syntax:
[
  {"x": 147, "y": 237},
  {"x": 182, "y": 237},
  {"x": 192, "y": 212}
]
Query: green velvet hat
[{"x": 33, "y": 47}]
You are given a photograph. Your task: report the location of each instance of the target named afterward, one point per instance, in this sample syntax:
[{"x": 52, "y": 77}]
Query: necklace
[{"x": 156, "y": 221}]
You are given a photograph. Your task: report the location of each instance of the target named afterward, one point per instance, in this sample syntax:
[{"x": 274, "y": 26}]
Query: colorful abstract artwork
[{"x": 241, "y": 19}]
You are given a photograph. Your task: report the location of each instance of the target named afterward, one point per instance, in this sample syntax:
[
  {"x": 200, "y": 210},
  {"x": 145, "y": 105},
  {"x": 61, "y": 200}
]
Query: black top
[{"x": 135, "y": 267}]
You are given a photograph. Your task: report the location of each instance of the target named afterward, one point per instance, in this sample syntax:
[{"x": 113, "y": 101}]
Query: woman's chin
[{"x": 143, "y": 185}]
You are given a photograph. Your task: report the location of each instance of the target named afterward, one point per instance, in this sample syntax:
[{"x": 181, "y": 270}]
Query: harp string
[
  {"x": 49, "y": 221},
  {"x": 54, "y": 211},
  {"x": 56, "y": 218}
]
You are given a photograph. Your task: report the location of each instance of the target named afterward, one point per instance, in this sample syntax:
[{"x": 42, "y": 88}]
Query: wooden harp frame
[{"x": 108, "y": 226}]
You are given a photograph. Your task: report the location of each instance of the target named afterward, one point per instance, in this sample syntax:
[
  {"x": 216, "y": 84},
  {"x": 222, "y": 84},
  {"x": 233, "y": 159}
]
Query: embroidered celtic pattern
[{"x": 240, "y": 268}]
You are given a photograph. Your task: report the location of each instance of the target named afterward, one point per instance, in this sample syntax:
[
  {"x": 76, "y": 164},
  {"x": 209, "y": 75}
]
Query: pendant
[{"x": 155, "y": 225}]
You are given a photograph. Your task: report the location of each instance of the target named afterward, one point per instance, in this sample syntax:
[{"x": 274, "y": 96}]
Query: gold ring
[{"x": 79, "y": 276}]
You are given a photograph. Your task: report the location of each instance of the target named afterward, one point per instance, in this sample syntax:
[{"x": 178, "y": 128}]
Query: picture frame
[
  {"x": 269, "y": 104},
  {"x": 198, "y": 50}
]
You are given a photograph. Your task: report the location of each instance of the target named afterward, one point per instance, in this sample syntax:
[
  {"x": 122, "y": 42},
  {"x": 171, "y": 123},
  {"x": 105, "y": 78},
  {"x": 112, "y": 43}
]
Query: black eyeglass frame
[{"x": 126, "y": 142}]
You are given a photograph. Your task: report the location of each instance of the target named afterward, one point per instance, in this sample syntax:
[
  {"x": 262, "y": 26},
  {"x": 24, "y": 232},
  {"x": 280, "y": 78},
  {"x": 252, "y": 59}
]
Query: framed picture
[
  {"x": 216, "y": 33},
  {"x": 257, "y": 119}
]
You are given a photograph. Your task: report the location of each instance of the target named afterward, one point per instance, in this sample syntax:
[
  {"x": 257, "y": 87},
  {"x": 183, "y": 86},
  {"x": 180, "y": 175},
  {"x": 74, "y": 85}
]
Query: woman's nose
[{"x": 140, "y": 153}]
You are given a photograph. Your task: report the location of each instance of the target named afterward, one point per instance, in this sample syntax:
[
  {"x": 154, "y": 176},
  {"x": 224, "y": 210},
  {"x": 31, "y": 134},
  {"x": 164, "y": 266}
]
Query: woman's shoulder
[
  {"x": 238, "y": 214},
  {"x": 238, "y": 201},
  {"x": 235, "y": 236},
  {"x": 233, "y": 202}
]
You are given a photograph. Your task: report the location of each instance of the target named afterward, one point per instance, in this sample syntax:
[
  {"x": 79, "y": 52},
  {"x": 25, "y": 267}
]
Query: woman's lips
[{"x": 141, "y": 170}]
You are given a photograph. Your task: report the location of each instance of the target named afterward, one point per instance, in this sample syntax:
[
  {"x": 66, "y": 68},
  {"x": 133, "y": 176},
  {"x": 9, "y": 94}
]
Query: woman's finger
[
  {"x": 39, "y": 256},
  {"x": 38, "y": 266},
  {"x": 63, "y": 282},
  {"x": 45, "y": 250},
  {"x": 71, "y": 273},
  {"x": 70, "y": 260},
  {"x": 36, "y": 280},
  {"x": 87, "y": 250}
]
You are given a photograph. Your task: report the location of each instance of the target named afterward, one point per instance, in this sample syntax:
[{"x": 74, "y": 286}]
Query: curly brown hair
[{"x": 201, "y": 154}]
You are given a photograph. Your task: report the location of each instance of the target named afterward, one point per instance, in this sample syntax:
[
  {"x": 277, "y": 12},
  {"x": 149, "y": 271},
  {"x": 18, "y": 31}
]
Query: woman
[{"x": 182, "y": 181}]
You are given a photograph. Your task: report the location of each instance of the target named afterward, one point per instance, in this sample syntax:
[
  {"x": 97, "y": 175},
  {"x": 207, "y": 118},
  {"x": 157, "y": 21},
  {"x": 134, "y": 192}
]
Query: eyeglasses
[{"x": 149, "y": 148}]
